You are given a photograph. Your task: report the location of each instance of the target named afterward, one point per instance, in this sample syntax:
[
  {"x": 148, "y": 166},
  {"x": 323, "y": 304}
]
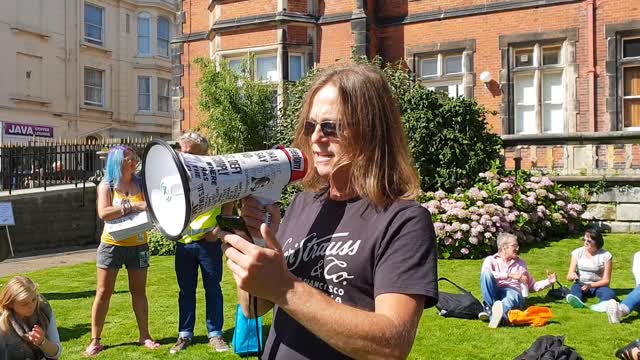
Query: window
[
  {"x": 163, "y": 37},
  {"x": 235, "y": 65},
  {"x": 539, "y": 91},
  {"x": 631, "y": 83},
  {"x": 163, "y": 95},
  {"x": 442, "y": 72},
  {"x": 144, "y": 93},
  {"x": 267, "y": 68},
  {"x": 144, "y": 34},
  {"x": 93, "y": 87},
  {"x": 296, "y": 67},
  {"x": 93, "y": 20}
]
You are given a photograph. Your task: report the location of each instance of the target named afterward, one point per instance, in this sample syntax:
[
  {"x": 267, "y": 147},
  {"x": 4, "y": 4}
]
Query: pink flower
[
  {"x": 473, "y": 240},
  {"x": 458, "y": 235},
  {"x": 464, "y": 251},
  {"x": 448, "y": 241}
]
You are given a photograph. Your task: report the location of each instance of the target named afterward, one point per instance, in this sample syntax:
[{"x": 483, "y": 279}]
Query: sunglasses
[
  {"x": 588, "y": 241},
  {"x": 328, "y": 128}
]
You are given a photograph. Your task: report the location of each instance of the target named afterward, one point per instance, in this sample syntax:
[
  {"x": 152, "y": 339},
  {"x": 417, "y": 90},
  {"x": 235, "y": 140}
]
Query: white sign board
[{"x": 6, "y": 214}]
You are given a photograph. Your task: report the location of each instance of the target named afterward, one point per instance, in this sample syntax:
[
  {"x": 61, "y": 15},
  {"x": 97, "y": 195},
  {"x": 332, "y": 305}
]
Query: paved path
[{"x": 21, "y": 265}]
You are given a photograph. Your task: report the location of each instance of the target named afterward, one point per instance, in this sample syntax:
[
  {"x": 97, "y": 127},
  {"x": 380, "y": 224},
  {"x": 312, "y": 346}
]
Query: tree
[{"x": 238, "y": 110}]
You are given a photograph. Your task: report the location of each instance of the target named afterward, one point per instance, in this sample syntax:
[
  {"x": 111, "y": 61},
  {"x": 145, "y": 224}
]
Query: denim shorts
[{"x": 114, "y": 257}]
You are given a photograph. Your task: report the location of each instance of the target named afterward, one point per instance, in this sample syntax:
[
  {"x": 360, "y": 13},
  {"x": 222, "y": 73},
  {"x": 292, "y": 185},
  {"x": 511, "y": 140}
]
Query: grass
[{"x": 71, "y": 290}]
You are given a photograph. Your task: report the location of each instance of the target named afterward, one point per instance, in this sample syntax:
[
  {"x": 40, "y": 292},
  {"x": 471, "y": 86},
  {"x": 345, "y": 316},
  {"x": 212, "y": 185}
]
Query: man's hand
[{"x": 259, "y": 271}]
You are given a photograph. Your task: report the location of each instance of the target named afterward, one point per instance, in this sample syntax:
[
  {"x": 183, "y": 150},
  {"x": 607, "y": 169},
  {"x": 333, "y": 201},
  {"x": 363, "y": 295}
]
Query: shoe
[
  {"x": 613, "y": 312},
  {"x": 497, "y": 310},
  {"x": 180, "y": 345},
  {"x": 485, "y": 314},
  {"x": 218, "y": 343},
  {"x": 626, "y": 353},
  {"x": 575, "y": 302}
]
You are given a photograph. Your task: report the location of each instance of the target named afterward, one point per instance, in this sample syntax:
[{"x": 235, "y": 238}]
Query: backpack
[
  {"x": 463, "y": 305},
  {"x": 548, "y": 347}
]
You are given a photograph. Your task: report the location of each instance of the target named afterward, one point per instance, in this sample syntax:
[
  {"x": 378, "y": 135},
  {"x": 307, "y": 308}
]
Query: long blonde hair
[
  {"x": 18, "y": 289},
  {"x": 372, "y": 138}
]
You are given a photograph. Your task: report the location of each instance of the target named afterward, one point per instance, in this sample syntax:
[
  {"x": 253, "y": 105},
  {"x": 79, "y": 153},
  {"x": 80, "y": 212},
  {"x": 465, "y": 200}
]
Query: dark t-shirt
[{"x": 353, "y": 253}]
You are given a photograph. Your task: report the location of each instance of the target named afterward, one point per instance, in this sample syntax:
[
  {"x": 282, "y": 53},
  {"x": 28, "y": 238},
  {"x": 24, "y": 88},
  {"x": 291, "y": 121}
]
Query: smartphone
[{"x": 233, "y": 223}]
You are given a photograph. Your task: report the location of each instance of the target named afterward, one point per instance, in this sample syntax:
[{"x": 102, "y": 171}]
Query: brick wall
[
  {"x": 192, "y": 51},
  {"x": 248, "y": 38},
  {"x": 334, "y": 43},
  {"x": 297, "y": 35},
  {"x": 238, "y": 9},
  {"x": 298, "y": 6},
  {"x": 328, "y": 7}
]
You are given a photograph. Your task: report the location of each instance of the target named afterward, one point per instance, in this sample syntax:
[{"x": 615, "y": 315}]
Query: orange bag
[{"x": 534, "y": 316}]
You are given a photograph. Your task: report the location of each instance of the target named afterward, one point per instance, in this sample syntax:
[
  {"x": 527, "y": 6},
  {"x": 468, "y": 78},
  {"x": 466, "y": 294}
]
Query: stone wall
[
  {"x": 617, "y": 209},
  {"x": 62, "y": 217}
]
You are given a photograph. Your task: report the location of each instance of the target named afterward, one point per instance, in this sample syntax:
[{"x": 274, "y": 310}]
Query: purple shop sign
[{"x": 28, "y": 130}]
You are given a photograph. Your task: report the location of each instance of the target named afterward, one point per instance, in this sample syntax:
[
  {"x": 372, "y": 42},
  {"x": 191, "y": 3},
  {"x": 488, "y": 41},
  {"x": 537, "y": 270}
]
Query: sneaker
[
  {"x": 218, "y": 343},
  {"x": 497, "y": 310},
  {"x": 485, "y": 314},
  {"x": 180, "y": 345},
  {"x": 613, "y": 312},
  {"x": 575, "y": 302}
]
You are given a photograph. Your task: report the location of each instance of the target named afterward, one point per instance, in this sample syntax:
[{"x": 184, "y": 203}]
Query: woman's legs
[
  {"x": 604, "y": 293},
  {"x": 576, "y": 290},
  {"x": 105, "y": 282},
  {"x": 138, "y": 290}
]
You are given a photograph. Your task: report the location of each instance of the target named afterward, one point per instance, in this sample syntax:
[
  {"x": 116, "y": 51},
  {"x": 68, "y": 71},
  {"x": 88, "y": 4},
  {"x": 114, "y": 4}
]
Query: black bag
[
  {"x": 463, "y": 305},
  {"x": 548, "y": 347},
  {"x": 559, "y": 293}
]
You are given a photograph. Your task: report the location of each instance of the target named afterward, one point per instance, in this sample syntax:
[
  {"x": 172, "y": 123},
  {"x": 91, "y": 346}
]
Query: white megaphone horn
[{"x": 178, "y": 186}]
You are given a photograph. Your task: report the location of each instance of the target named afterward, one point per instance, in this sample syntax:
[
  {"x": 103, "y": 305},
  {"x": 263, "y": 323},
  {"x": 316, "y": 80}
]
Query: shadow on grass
[
  {"x": 75, "y": 332},
  {"x": 75, "y": 295}
]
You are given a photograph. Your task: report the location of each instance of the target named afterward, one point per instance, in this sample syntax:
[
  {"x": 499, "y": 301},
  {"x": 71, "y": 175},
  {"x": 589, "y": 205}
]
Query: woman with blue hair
[{"x": 120, "y": 194}]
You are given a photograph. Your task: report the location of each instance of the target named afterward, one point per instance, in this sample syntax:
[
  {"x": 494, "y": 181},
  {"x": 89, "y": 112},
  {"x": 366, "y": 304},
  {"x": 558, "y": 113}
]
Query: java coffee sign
[{"x": 28, "y": 130}]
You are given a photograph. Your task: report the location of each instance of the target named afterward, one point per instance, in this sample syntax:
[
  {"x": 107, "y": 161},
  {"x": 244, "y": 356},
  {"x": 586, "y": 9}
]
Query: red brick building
[{"x": 563, "y": 75}]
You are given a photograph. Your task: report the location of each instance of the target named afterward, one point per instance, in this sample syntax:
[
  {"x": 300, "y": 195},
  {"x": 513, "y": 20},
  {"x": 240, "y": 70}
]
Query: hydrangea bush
[{"x": 528, "y": 205}]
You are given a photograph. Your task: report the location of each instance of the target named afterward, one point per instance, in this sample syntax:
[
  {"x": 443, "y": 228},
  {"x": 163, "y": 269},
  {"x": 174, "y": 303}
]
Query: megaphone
[{"x": 179, "y": 187}]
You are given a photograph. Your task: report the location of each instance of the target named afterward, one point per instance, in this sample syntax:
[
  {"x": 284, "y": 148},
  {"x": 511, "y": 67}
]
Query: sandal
[
  {"x": 150, "y": 344},
  {"x": 626, "y": 353},
  {"x": 93, "y": 350}
]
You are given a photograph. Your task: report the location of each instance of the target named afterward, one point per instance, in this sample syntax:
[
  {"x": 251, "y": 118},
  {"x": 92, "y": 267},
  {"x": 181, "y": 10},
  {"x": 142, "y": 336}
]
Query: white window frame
[
  {"x": 164, "y": 98},
  {"x": 147, "y": 17},
  {"x": 88, "y": 39},
  {"x": 538, "y": 70},
  {"x": 140, "y": 94},
  {"x": 302, "y": 64},
  {"x": 441, "y": 78},
  {"x": 101, "y": 88},
  {"x": 631, "y": 97},
  {"x": 161, "y": 40}
]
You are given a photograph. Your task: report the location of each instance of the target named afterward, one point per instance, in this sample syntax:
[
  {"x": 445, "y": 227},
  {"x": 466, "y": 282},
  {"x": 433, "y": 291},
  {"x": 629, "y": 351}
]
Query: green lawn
[{"x": 71, "y": 290}]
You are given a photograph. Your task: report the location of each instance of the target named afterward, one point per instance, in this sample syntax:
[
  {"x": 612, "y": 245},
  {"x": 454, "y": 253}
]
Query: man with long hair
[{"x": 353, "y": 263}]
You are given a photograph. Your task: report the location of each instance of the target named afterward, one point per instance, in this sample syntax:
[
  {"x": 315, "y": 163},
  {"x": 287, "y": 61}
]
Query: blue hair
[{"x": 113, "y": 170}]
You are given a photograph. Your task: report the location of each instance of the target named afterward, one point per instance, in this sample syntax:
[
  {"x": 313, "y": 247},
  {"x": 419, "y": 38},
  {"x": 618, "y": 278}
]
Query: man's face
[
  {"x": 511, "y": 250},
  {"x": 324, "y": 109}
]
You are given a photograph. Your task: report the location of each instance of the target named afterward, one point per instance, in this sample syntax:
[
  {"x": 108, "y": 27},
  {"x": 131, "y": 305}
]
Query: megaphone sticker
[{"x": 180, "y": 183}]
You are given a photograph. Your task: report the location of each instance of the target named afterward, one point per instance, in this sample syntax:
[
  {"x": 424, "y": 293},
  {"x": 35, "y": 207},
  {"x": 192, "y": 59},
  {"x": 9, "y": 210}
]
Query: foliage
[
  {"x": 238, "y": 110},
  {"x": 159, "y": 245},
  {"x": 436, "y": 337},
  {"x": 529, "y": 206},
  {"x": 449, "y": 138}
]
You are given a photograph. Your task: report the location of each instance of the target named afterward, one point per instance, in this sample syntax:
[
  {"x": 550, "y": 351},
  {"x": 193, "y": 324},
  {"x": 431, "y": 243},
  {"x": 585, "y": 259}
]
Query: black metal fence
[{"x": 39, "y": 164}]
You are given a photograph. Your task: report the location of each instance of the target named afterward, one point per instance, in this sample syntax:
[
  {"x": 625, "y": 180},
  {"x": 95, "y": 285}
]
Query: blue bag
[{"x": 245, "y": 340}]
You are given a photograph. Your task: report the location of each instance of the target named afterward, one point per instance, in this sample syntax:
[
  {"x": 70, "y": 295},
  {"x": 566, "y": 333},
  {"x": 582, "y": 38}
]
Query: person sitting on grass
[
  {"x": 590, "y": 269},
  {"x": 505, "y": 281},
  {"x": 27, "y": 324}
]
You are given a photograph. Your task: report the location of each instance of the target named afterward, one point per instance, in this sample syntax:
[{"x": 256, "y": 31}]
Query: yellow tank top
[{"x": 135, "y": 240}]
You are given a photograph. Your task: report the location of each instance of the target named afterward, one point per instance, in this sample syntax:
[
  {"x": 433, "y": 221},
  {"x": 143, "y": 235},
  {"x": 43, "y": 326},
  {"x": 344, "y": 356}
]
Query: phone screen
[{"x": 232, "y": 223}]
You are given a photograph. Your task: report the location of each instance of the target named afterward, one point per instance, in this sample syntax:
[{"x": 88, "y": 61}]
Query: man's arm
[{"x": 387, "y": 333}]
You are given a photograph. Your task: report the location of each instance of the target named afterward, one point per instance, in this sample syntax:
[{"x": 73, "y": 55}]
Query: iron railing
[{"x": 38, "y": 164}]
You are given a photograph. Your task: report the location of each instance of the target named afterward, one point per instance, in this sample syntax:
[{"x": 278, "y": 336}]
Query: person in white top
[{"x": 590, "y": 269}]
